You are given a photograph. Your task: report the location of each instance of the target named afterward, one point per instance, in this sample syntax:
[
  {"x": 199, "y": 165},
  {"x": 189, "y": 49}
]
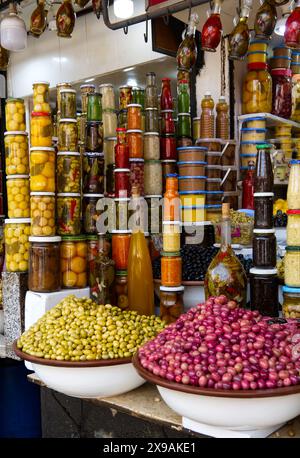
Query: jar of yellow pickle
[
  {"x": 73, "y": 261},
  {"x": 41, "y": 129},
  {"x": 41, "y": 97},
  {"x": 68, "y": 135},
  {"x": 16, "y": 233},
  {"x": 16, "y": 153},
  {"x": 257, "y": 90},
  {"x": 42, "y": 169},
  {"x": 42, "y": 209},
  {"x": 18, "y": 199},
  {"x": 15, "y": 115}
]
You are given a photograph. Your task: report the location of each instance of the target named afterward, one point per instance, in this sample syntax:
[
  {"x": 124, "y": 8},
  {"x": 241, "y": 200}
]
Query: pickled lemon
[
  {"x": 69, "y": 279},
  {"x": 81, "y": 249},
  {"x": 68, "y": 250},
  {"x": 38, "y": 158},
  {"x": 38, "y": 182},
  {"x": 78, "y": 264},
  {"x": 81, "y": 280}
]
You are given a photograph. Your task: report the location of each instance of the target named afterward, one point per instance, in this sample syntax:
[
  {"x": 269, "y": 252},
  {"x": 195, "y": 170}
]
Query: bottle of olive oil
[{"x": 225, "y": 274}]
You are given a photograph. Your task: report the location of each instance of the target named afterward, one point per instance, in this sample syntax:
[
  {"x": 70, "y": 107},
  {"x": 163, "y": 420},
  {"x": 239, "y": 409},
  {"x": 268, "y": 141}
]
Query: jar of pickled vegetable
[
  {"x": 108, "y": 96},
  {"x": 93, "y": 173},
  {"x": 42, "y": 212},
  {"x": 41, "y": 97},
  {"x": 68, "y": 214},
  {"x": 73, "y": 261},
  {"x": 86, "y": 89},
  {"x": 94, "y": 107},
  {"x": 94, "y": 137},
  {"x": 293, "y": 228},
  {"x": 122, "y": 119},
  {"x": 167, "y": 122},
  {"x": 41, "y": 129},
  {"x": 18, "y": 200},
  {"x": 296, "y": 99},
  {"x": 151, "y": 120},
  {"x": 120, "y": 248},
  {"x": 68, "y": 103},
  {"x": 168, "y": 147},
  {"x": 109, "y": 150},
  {"x": 151, "y": 146},
  {"x": 282, "y": 92},
  {"x": 134, "y": 116},
  {"x": 184, "y": 127},
  {"x": 121, "y": 289},
  {"x": 44, "y": 264},
  {"x": 68, "y": 172},
  {"x": 171, "y": 236},
  {"x": 15, "y": 115},
  {"x": 125, "y": 96},
  {"x": 292, "y": 266},
  {"x": 171, "y": 269},
  {"x": 122, "y": 183},
  {"x": 152, "y": 178},
  {"x": 90, "y": 213},
  {"x": 293, "y": 191},
  {"x": 60, "y": 87},
  {"x": 263, "y": 206},
  {"x": 110, "y": 180},
  {"x": 68, "y": 135},
  {"x": 257, "y": 90},
  {"x": 92, "y": 253},
  {"x": 135, "y": 143},
  {"x": 110, "y": 123},
  {"x": 42, "y": 169},
  {"x": 16, "y": 233},
  {"x": 16, "y": 153},
  {"x": 171, "y": 303},
  {"x": 291, "y": 302},
  {"x": 137, "y": 174},
  {"x": 81, "y": 125},
  {"x": 264, "y": 291}
]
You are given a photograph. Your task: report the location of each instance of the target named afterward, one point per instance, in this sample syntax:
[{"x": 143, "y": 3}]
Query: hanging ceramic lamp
[{"x": 13, "y": 31}]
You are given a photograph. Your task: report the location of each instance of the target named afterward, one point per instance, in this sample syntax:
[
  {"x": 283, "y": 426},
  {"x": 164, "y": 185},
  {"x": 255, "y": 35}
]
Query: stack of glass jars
[
  {"x": 263, "y": 276},
  {"x": 17, "y": 227},
  {"x": 125, "y": 98},
  {"x": 85, "y": 90},
  {"x": 134, "y": 140},
  {"x": 184, "y": 128},
  {"x": 168, "y": 153}
]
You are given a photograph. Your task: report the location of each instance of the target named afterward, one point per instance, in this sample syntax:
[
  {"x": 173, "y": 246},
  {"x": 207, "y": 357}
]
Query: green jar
[
  {"x": 184, "y": 125},
  {"x": 94, "y": 108}
]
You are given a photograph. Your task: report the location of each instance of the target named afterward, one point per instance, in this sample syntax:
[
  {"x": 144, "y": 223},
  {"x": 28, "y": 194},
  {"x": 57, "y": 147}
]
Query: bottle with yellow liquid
[
  {"x": 207, "y": 119},
  {"x": 140, "y": 278}
]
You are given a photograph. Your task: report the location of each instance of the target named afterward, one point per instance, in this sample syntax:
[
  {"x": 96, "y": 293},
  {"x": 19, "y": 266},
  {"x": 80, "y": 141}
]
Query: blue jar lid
[
  {"x": 213, "y": 207},
  {"x": 214, "y": 192},
  {"x": 294, "y": 161},
  {"x": 256, "y": 118},
  {"x": 252, "y": 142},
  {"x": 289, "y": 289},
  {"x": 185, "y": 177},
  {"x": 171, "y": 175},
  {"x": 248, "y": 155},
  {"x": 182, "y": 193},
  {"x": 189, "y": 148},
  {"x": 191, "y": 162},
  {"x": 282, "y": 57},
  {"x": 193, "y": 207},
  {"x": 253, "y": 129}
]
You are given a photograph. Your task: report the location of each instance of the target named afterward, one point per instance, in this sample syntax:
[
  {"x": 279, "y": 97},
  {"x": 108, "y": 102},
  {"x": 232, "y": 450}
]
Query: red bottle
[
  {"x": 212, "y": 31},
  {"x": 121, "y": 150},
  {"x": 166, "y": 100},
  {"x": 248, "y": 187},
  {"x": 292, "y": 28}
]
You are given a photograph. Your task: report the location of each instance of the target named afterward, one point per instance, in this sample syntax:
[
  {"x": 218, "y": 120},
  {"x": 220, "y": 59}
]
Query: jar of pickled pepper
[
  {"x": 93, "y": 173},
  {"x": 94, "y": 137},
  {"x": 68, "y": 135},
  {"x": 59, "y": 88},
  {"x": 90, "y": 213},
  {"x": 171, "y": 265},
  {"x": 121, "y": 288},
  {"x": 44, "y": 264},
  {"x": 68, "y": 172},
  {"x": 73, "y": 261},
  {"x": 134, "y": 116},
  {"x": 94, "y": 107},
  {"x": 120, "y": 248},
  {"x": 67, "y": 103},
  {"x": 68, "y": 213},
  {"x": 125, "y": 96},
  {"x": 86, "y": 89}
]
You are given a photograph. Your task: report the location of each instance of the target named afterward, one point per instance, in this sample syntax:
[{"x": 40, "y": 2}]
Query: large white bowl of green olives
[{"x": 84, "y": 350}]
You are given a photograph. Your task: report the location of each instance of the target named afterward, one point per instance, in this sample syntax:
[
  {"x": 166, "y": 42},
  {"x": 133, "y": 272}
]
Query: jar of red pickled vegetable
[
  {"x": 167, "y": 122},
  {"x": 282, "y": 92},
  {"x": 122, "y": 182},
  {"x": 120, "y": 248},
  {"x": 166, "y": 101},
  {"x": 168, "y": 147},
  {"x": 137, "y": 174}
]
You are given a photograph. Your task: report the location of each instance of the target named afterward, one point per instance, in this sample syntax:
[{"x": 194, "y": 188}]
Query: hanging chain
[{"x": 223, "y": 66}]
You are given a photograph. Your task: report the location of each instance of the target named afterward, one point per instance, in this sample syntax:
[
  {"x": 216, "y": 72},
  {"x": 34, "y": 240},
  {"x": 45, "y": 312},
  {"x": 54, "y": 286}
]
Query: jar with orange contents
[
  {"x": 135, "y": 143},
  {"x": 73, "y": 261},
  {"x": 171, "y": 267},
  {"x": 171, "y": 203},
  {"x": 257, "y": 90},
  {"x": 134, "y": 116},
  {"x": 41, "y": 129},
  {"x": 120, "y": 248}
]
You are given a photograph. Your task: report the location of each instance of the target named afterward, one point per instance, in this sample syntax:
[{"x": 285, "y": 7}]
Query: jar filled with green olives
[
  {"x": 68, "y": 135},
  {"x": 68, "y": 103},
  {"x": 68, "y": 172},
  {"x": 68, "y": 213}
]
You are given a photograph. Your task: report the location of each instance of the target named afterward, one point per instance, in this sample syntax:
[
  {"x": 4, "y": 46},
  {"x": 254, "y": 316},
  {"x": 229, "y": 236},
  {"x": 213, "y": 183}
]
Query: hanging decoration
[
  {"x": 212, "y": 29},
  {"x": 240, "y": 36},
  {"x": 97, "y": 7},
  {"x": 292, "y": 28},
  {"x": 82, "y": 3},
  {"x": 265, "y": 19},
  {"x": 65, "y": 19},
  {"x": 187, "y": 50},
  {"x": 38, "y": 20},
  {"x": 4, "y": 59}
]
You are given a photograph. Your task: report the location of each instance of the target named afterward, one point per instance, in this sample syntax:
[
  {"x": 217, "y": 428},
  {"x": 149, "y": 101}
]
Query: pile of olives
[{"x": 78, "y": 329}]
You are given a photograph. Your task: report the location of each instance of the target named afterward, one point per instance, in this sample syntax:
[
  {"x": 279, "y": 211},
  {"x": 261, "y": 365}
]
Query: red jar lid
[
  {"x": 166, "y": 79},
  {"x": 293, "y": 212},
  {"x": 258, "y": 66},
  {"x": 39, "y": 113},
  {"x": 121, "y": 129},
  {"x": 281, "y": 72},
  {"x": 183, "y": 81}
]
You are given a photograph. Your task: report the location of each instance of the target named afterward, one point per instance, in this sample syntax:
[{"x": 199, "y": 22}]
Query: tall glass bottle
[
  {"x": 240, "y": 37},
  {"x": 292, "y": 28},
  {"x": 212, "y": 30},
  {"x": 225, "y": 274},
  {"x": 187, "y": 51},
  {"x": 65, "y": 19},
  {"x": 207, "y": 119},
  {"x": 222, "y": 119},
  {"x": 171, "y": 206},
  {"x": 166, "y": 100},
  {"x": 140, "y": 278},
  {"x": 265, "y": 20},
  {"x": 102, "y": 279},
  {"x": 183, "y": 97},
  {"x": 38, "y": 20}
]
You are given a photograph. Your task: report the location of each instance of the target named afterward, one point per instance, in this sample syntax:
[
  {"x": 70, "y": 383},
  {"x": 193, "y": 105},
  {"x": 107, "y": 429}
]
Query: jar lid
[
  {"x": 120, "y": 129},
  {"x": 213, "y": 180},
  {"x": 17, "y": 221},
  {"x": 281, "y": 72},
  {"x": 253, "y": 129},
  {"x": 257, "y": 66},
  {"x": 15, "y": 132},
  {"x": 212, "y": 167},
  {"x": 292, "y": 162},
  {"x": 171, "y": 289},
  {"x": 12, "y": 99},
  {"x": 209, "y": 140},
  {"x": 167, "y": 111},
  {"x": 134, "y": 159},
  {"x": 138, "y": 105},
  {"x": 68, "y": 194},
  {"x": 182, "y": 193},
  {"x": 197, "y": 118},
  {"x": 122, "y": 199},
  {"x": 121, "y": 273},
  {"x": 191, "y": 148},
  {"x": 121, "y": 231},
  {"x": 150, "y": 109},
  {"x": 121, "y": 170},
  {"x": 264, "y": 231},
  {"x": 71, "y": 91},
  {"x": 185, "y": 177},
  {"x": 214, "y": 153},
  {"x": 88, "y": 85},
  {"x": 192, "y": 163},
  {"x": 63, "y": 84},
  {"x": 68, "y": 120},
  {"x": 147, "y": 134},
  {"x": 111, "y": 139},
  {"x": 42, "y": 148},
  {"x": 35, "y": 114},
  {"x": 92, "y": 94},
  {"x": 41, "y": 82},
  {"x": 264, "y": 146},
  {"x": 106, "y": 85},
  {"x": 193, "y": 207},
  {"x": 171, "y": 223},
  {"x": 255, "y": 118},
  {"x": 55, "y": 238},
  {"x": 93, "y": 195},
  {"x": 152, "y": 161},
  {"x": 214, "y": 192},
  {"x": 280, "y": 57},
  {"x": 172, "y": 254},
  {"x": 73, "y": 238},
  {"x": 92, "y": 237},
  {"x": 37, "y": 193},
  {"x": 252, "y": 142},
  {"x": 93, "y": 154},
  {"x": 184, "y": 114},
  {"x": 11, "y": 177},
  {"x": 255, "y": 270},
  {"x": 288, "y": 289},
  {"x": 292, "y": 248},
  {"x": 263, "y": 194},
  {"x": 134, "y": 131},
  {"x": 249, "y": 155},
  {"x": 125, "y": 86},
  {"x": 168, "y": 161},
  {"x": 156, "y": 196},
  {"x": 293, "y": 212},
  {"x": 213, "y": 207}
]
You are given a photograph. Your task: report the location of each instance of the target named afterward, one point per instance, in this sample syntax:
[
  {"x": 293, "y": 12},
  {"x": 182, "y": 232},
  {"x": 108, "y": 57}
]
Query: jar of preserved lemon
[
  {"x": 257, "y": 90},
  {"x": 42, "y": 169},
  {"x": 16, "y": 153},
  {"x": 16, "y": 233},
  {"x": 68, "y": 135},
  {"x": 73, "y": 261},
  {"x": 42, "y": 210},
  {"x": 18, "y": 199},
  {"x": 15, "y": 115},
  {"x": 41, "y": 129},
  {"x": 41, "y": 97}
]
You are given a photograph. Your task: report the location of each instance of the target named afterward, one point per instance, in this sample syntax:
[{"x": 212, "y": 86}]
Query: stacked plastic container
[
  {"x": 263, "y": 276},
  {"x": 17, "y": 226}
]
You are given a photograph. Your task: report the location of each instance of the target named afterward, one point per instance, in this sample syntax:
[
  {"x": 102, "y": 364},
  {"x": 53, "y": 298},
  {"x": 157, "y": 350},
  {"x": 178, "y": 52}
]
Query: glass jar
[
  {"x": 151, "y": 94},
  {"x": 92, "y": 253},
  {"x": 171, "y": 236},
  {"x": 121, "y": 214},
  {"x": 122, "y": 182},
  {"x": 264, "y": 248},
  {"x": 151, "y": 146},
  {"x": 73, "y": 261},
  {"x": 68, "y": 172},
  {"x": 90, "y": 213},
  {"x": 293, "y": 228},
  {"x": 121, "y": 289},
  {"x": 168, "y": 148},
  {"x": 151, "y": 120},
  {"x": 291, "y": 302},
  {"x": 293, "y": 191},
  {"x": 171, "y": 303},
  {"x": 94, "y": 107},
  {"x": 41, "y": 97},
  {"x": 109, "y": 150},
  {"x": 110, "y": 180},
  {"x": 60, "y": 87},
  {"x": 263, "y": 207},
  {"x": 257, "y": 90},
  {"x": 67, "y": 103},
  {"x": 264, "y": 291},
  {"x": 68, "y": 135},
  {"x": 108, "y": 96},
  {"x": 93, "y": 173},
  {"x": 296, "y": 99},
  {"x": 196, "y": 129},
  {"x": 122, "y": 119},
  {"x": 16, "y": 233},
  {"x": 171, "y": 269},
  {"x": 137, "y": 174},
  {"x": 110, "y": 123},
  {"x": 68, "y": 213},
  {"x": 125, "y": 96},
  {"x": 120, "y": 248},
  {"x": 263, "y": 178},
  {"x": 184, "y": 128},
  {"x": 166, "y": 101},
  {"x": 155, "y": 213},
  {"x": 138, "y": 96},
  {"x": 41, "y": 129},
  {"x": 16, "y": 153},
  {"x": 167, "y": 122},
  {"x": 86, "y": 89},
  {"x": 42, "y": 169},
  {"x": 153, "y": 178},
  {"x": 44, "y": 264},
  {"x": 42, "y": 212},
  {"x": 183, "y": 96},
  {"x": 292, "y": 266},
  {"x": 103, "y": 275},
  {"x": 18, "y": 201},
  {"x": 15, "y": 115},
  {"x": 135, "y": 143},
  {"x": 134, "y": 116},
  {"x": 94, "y": 137},
  {"x": 282, "y": 92}
]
